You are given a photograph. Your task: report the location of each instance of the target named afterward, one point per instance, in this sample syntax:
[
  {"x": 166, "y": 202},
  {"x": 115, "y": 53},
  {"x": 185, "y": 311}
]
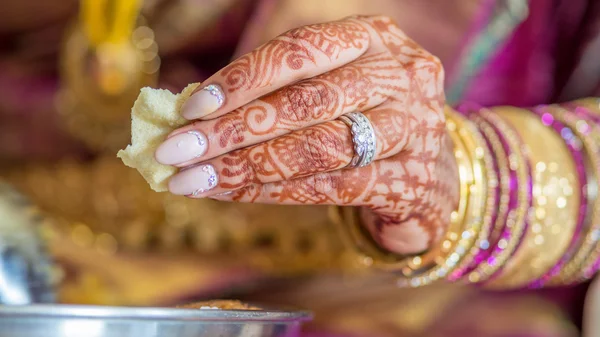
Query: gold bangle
[
  {"x": 492, "y": 236},
  {"x": 493, "y": 184},
  {"x": 366, "y": 253},
  {"x": 513, "y": 227},
  {"x": 502, "y": 178},
  {"x": 553, "y": 184},
  {"x": 458, "y": 243},
  {"x": 590, "y": 233}
]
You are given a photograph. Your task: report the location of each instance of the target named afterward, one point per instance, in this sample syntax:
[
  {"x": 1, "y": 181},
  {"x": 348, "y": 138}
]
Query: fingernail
[
  {"x": 194, "y": 181},
  {"x": 181, "y": 148},
  {"x": 203, "y": 102}
]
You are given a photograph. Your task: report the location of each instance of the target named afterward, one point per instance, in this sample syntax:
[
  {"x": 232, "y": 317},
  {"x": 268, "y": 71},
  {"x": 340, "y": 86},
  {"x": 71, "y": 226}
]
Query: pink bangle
[
  {"x": 499, "y": 248},
  {"x": 589, "y": 268},
  {"x": 514, "y": 203}
]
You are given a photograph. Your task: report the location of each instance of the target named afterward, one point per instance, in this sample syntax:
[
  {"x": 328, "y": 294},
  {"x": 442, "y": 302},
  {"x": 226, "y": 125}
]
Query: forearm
[{"x": 528, "y": 211}]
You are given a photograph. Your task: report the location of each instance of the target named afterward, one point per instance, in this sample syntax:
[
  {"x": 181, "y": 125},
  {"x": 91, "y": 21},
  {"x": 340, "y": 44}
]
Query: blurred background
[{"x": 77, "y": 226}]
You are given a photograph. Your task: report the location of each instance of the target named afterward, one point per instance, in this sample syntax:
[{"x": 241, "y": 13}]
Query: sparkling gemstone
[{"x": 216, "y": 91}]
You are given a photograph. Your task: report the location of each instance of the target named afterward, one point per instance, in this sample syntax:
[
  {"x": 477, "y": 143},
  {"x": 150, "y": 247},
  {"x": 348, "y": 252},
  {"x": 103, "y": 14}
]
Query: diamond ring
[{"x": 363, "y": 137}]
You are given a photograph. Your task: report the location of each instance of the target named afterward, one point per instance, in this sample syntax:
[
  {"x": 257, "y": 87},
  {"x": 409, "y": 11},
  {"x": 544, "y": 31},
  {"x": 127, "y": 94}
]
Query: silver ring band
[{"x": 363, "y": 137}]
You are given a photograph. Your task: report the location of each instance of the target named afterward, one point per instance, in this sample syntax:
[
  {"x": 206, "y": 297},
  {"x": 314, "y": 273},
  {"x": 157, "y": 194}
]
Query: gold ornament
[{"x": 552, "y": 219}]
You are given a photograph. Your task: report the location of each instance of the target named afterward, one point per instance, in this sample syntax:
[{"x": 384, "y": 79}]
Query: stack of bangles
[{"x": 529, "y": 212}]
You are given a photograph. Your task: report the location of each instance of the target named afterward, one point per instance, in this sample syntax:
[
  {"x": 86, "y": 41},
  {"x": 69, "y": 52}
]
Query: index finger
[{"x": 298, "y": 54}]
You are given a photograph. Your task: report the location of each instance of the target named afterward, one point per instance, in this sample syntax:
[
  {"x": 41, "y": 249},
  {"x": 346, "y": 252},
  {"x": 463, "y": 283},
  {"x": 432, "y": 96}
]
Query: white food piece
[{"x": 155, "y": 114}]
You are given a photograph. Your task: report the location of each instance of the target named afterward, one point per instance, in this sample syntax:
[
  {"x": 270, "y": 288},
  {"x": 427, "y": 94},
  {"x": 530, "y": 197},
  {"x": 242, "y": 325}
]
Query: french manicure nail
[
  {"x": 181, "y": 148},
  {"x": 203, "y": 102},
  {"x": 194, "y": 181}
]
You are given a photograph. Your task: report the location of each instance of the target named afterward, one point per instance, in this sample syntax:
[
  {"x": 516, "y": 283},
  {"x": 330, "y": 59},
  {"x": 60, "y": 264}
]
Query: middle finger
[{"x": 361, "y": 85}]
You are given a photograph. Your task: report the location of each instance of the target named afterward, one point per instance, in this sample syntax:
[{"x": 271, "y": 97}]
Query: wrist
[{"x": 528, "y": 204}]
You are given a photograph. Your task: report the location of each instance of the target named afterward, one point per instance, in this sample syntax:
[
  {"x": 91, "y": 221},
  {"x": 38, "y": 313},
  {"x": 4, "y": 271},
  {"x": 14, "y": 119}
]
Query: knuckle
[
  {"x": 297, "y": 39},
  {"x": 230, "y": 129},
  {"x": 295, "y": 34},
  {"x": 435, "y": 118},
  {"x": 381, "y": 19},
  {"x": 299, "y": 106},
  {"x": 302, "y": 102},
  {"x": 237, "y": 130},
  {"x": 436, "y": 63},
  {"x": 385, "y": 18},
  {"x": 324, "y": 184},
  {"x": 267, "y": 190},
  {"x": 239, "y": 169},
  {"x": 316, "y": 157},
  {"x": 323, "y": 148},
  {"x": 423, "y": 60}
]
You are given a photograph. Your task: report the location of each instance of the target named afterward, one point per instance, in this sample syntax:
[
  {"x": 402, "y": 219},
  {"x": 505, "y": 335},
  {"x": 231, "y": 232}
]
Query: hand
[{"x": 267, "y": 130}]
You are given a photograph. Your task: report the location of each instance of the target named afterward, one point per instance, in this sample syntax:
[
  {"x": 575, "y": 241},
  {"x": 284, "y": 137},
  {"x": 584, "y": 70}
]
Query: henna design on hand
[
  {"x": 293, "y": 49},
  {"x": 285, "y": 147},
  {"x": 360, "y": 85},
  {"x": 321, "y": 148}
]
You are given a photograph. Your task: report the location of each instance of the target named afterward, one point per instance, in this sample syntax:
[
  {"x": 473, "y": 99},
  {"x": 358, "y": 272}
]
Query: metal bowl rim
[{"x": 64, "y": 311}]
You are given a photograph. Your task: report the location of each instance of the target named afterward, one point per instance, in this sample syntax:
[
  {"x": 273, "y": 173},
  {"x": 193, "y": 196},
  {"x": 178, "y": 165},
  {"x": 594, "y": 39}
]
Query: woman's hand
[{"x": 267, "y": 130}]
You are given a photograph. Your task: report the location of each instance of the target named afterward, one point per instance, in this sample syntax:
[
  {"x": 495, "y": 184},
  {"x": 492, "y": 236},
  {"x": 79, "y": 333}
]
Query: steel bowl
[{"x": 96, "y": 321}]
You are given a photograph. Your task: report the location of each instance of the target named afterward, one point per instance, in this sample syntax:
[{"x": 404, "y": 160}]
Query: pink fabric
[
  {"x": 522, "y": 72},
  {"x": 534, "y": 64}
]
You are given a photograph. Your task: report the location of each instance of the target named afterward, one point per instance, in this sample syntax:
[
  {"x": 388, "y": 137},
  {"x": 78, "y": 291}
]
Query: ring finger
[{"x": 320, "y": 148}]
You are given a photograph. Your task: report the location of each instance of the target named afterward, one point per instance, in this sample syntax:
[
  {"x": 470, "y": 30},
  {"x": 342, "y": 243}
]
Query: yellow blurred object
[
  {"x": 116, "y": 64},
  {"x": 109, "y": 21},
  {"x": 109, "y": 208},
  {"x": 107, "y": 57},
  {"x": 109, "y": 26}
]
